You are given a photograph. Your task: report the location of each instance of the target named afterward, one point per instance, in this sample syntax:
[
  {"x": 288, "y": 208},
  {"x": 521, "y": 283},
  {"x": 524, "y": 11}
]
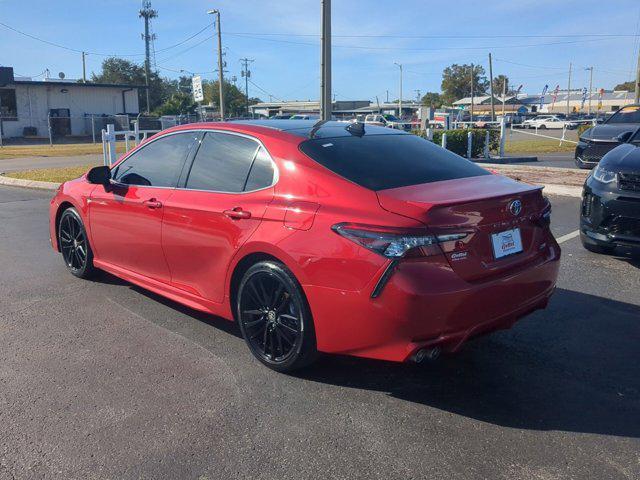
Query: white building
[{"x": 30, "y": 108}]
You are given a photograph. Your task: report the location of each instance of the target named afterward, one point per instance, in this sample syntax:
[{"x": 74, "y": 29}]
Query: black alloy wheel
[
  {"x": 74, "y": 244},
  {"x": 274, "y": 317}
]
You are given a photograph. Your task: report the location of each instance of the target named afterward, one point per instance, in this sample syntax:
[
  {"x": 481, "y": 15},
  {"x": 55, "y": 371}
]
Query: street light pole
[
  {"x": 220, "y": 74},
  {"x": 590, "y": 87},
  {"x": 325, "y": 62},
  {"x": 569, "y": 89},
  {"x": 400, "y": 99}
]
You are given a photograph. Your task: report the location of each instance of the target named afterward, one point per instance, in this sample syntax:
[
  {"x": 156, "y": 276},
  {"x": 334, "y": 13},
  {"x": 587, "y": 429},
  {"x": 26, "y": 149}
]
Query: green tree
[
  {"x": 499, "y": 83},
  {"x": 456, "y": 82},
  {"x": 432, "y": 99},
  {"x": 179, "y": 103},
  {"x": 234, "y": 100},
  {"x": 119, "y": 70},
  {"x": 629, "y": 86}
]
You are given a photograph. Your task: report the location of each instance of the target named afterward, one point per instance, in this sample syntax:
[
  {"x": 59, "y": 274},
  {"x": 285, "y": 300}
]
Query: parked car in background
[
  {"x": 315, "y": 237},
  {"x": 280, "y": 117},
  {"x": 387, "y": 120},
  {"x": 610, "y": 214},
  {"x": 549, "y": 121},
  {"x": 482, "y": 121},
  {"x": 304, "y": 116},
  {"x": 595, "y": 142}
]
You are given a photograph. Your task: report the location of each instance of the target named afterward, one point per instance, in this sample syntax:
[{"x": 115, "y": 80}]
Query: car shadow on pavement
[{"x": 573, "y": 367}]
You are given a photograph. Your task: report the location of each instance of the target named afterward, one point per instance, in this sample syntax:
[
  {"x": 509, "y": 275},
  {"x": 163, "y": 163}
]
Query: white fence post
[
  {"x": 104, "y": 147},
  {"x": 444, "y": 140},
  {"x": 469, "y": 144},
  {"x": 487, "y": 139},
  {"x": 93, "y": 128},
  {"x": 502, "y": 136},
  {"x": 111, "y": 137},
  {"x": 136, "y": 133},
  {"x": 429, "y": 134},
  {"x": 564, "y": 131}
]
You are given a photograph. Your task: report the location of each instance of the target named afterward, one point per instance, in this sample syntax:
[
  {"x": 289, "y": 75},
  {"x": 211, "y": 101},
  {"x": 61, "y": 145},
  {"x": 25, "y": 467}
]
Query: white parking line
[{"x": 567, "y": 237}]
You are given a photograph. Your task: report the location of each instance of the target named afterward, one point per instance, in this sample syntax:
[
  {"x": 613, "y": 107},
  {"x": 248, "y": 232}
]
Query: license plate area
[{"x": 506, "y": 243}]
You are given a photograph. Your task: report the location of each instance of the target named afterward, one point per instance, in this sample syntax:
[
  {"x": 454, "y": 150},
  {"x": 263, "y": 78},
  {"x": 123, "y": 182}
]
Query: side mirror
[
  {"x": 624, "y": 137},
  {"x": 100, "y": 176}
]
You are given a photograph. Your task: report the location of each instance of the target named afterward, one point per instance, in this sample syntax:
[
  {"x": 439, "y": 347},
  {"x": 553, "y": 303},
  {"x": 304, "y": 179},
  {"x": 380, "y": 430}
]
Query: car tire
[
  {"x": 73, "y": 242},
  {"x": 274, "y": 317},
  {"x": 542, "y": 127}
]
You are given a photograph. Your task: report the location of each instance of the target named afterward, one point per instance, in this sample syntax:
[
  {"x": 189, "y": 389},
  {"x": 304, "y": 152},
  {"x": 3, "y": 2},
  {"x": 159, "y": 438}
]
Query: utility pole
[
  {"x": 220, "y": 66},
  {"x": 471, "y": 111},
  {"x": 400, "y": 98},
  {"x": 590, "y": 86},
  {"x": 246, "y": 73},
  {"x": 325, "y": 61},
  {"x": 569, "y": 89},
  {"x": 84, "y": 68},
  {"x": 418, "y": 94},
  {"x": 387, "y": 97},
  {"x": 147, "y": 13},
  {"x": 637, "y": 99},
  {"x": 493, "y": 109}
]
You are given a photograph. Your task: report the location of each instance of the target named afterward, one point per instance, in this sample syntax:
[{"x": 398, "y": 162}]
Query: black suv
[
  {"x": 610, "y": 214},
  {"x": 600, "y": 139}
]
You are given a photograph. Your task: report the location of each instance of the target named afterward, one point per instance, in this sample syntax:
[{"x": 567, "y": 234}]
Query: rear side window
[
  {"x": 261, "y": 174},
  {"x": 222, "y": 163},
  {"x": 378, "y": 162},
  {"x": 156, "y": 164}
]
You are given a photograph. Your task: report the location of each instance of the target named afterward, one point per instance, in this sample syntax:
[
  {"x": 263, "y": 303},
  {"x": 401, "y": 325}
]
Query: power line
[
  {"x": 315, "y": 35},
  {"x": 100, "y": 54},
  {"x": 364, "y": 47},
  {"x": 264, "y": 91}
]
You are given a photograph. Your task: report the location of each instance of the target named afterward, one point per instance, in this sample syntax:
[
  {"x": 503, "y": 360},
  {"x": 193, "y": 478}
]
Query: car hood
[
  {"x": 623, "y": 158},
  {"x": 608, "y": 132}
]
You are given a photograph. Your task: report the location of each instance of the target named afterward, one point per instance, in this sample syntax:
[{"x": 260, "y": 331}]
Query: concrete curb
[
  {"x": 18, "y": 182},
  {"x": 563, "y": 190}
]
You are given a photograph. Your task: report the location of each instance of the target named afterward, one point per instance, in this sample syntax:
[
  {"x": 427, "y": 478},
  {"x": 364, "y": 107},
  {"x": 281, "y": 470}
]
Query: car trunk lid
[{"x": 480, "y": 207}]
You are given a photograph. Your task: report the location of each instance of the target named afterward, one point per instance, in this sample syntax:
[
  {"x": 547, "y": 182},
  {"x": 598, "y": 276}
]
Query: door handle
[
  {"x": 152, "y": 203},
  {"x": 237, "y": 213}
]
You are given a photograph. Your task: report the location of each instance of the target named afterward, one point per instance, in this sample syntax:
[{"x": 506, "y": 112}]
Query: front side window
[
  {"x": 157, "y": 164},
  {"x": 222, "y": 163}
]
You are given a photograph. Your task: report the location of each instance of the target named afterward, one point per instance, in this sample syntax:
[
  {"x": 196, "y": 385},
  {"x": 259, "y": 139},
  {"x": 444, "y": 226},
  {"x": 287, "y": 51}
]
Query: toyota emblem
[{"x": 515, "y": 207}]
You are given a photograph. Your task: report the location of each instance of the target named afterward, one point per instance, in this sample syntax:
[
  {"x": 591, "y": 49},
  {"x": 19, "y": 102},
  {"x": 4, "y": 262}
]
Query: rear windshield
[{"x": 378, "y": 162}]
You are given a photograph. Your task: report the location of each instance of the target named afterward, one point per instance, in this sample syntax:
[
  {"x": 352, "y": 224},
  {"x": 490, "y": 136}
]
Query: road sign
[{"x": 196, "y": 87}]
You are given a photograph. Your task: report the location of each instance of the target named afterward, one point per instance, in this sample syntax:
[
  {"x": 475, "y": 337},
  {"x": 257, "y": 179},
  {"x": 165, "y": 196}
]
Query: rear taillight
[
  {"x": 545, "y": 216},
  {"x": 394, "y": 242}
]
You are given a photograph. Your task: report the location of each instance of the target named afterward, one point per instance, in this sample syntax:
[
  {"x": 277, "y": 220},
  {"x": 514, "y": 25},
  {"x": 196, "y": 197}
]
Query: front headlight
[{"x": 603, "y": 175}]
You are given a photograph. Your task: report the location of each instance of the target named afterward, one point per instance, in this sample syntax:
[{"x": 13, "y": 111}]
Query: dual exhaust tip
[{"x": 429, "y": 354}]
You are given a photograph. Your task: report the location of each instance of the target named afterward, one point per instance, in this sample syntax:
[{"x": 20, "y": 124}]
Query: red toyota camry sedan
[{"x": 315, "y": 237}]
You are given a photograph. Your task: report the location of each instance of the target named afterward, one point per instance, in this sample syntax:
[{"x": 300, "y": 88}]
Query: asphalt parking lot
[{"x": 101, "y": 379}]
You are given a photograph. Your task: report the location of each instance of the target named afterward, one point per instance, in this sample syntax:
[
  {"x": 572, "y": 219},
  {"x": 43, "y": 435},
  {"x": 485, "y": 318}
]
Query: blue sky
[{"x": 366, "y": 42}]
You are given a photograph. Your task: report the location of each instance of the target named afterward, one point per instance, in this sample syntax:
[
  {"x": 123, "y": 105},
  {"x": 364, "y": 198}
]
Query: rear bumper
[{"x": 426, "y": 304}]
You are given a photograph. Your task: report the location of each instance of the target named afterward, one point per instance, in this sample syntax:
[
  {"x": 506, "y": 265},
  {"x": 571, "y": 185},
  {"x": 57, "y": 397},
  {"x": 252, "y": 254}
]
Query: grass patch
[
  {"x": 57, "y": 175},
  {"x": 65, "y": 150},
  {"x": 538, "y": 146}
]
